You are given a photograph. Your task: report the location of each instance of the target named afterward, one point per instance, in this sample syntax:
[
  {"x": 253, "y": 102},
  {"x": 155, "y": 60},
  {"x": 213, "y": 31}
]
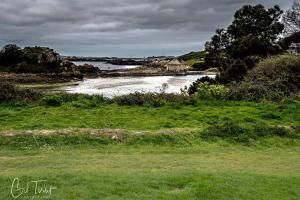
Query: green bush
[
  {"x": 236, "y": 133},
  {"x": 193, "y": 88},
  {"x": 200, "y": 66},
  {"x": 130, "y": 99},
  {"x": 52, "y": 100},
  {"x": 272, "y": 79},
  {"x": 76, "y": 100},
  {"x": 206, "y": 91},
  {"x": 10, "y": 93},
  {"x": 151, "y": 99}
]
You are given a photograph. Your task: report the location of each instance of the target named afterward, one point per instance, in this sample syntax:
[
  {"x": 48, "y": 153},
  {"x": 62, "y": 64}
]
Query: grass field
[
  {"x": 206, "y": 171},
  {"x": 147, "y": 165},
  {"x": 82, "y": 115}
]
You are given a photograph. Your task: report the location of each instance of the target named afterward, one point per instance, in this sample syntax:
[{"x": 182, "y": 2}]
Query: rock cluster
[
  {"x": 87, "y": 69},
  {"x": 36, "y": 60}
]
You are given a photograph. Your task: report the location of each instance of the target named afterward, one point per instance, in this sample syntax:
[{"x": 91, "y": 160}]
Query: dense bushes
[
  {"x": 9, "y": 93},
  {"x": 10, "y": 55},
  {"x": 152, "y": 99},
  {"x": 236, "y": 133},
  {"x": 206, "y": 91},
  {"x": 134, "y": 99},
  {"x": 53, "y": 100},
  {"x": 193, "y": 88},
  {"x": 76, "y": 100},
  {"x": 200, "y": 66},
  {"x": 272, "y": 79}
]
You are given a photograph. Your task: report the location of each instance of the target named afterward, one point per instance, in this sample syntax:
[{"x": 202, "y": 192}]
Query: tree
[
  {"x": 11, "y": 54},
  {"x": 291, "y": 19},
  {"x": 253, "y": 33},
  {"x": 217, "y": 49}
]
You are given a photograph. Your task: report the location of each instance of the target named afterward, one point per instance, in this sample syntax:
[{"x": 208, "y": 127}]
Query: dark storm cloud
[{"x": 117, "y": 27}]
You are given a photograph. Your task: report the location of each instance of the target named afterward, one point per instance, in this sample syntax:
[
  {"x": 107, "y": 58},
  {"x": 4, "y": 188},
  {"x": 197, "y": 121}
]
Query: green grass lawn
[
  {"x": 206, "y": 171},
  {"x": 146, "y": 166},
  {"x": 34, "y": 116}
]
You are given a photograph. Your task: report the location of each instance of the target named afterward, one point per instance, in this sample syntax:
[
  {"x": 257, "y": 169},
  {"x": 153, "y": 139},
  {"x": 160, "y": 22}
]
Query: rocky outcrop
[
  {"x": 87, "y": 69},
  {"x": 36, "y": 60},
  {"x": 41, "y": 56}
]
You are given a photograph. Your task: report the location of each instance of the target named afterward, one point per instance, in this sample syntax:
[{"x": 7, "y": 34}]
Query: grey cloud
[{"x": 117, "y": 27}]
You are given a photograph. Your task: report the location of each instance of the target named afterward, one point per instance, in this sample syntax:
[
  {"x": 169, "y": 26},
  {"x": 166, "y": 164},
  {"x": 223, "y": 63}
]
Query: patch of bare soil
[{"x": 114, "y": 134}]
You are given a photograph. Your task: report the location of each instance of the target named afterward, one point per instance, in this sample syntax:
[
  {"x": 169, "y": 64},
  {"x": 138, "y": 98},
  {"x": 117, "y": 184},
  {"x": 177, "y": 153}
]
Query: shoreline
[
  {"x": 143, "y": 74},
  {"x": 52, "y": 79}
]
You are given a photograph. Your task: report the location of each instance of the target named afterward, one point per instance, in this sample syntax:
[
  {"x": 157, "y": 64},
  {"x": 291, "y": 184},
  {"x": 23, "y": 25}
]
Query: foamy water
[{"x": 116, "y": 86}]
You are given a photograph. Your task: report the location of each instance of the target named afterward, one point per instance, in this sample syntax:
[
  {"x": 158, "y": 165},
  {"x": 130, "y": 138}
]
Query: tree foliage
[
  {"x": 10, "y": 55},
  {"x": 252, "y": 34},
  {"x": 273, "y": 78},
  {"x": 291, "y": 19}
]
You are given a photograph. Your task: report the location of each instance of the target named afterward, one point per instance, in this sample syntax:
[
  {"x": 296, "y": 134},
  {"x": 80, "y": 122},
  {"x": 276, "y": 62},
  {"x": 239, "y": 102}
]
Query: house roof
[{"x": 175, "y": 62}]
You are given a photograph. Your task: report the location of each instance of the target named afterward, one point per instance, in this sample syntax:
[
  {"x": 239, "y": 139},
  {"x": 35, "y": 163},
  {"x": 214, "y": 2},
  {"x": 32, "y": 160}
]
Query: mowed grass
[
  {"x": 147, "y": 165},
  {"x": 34, "y": 116},
  {"x": 204, "y": 171}
]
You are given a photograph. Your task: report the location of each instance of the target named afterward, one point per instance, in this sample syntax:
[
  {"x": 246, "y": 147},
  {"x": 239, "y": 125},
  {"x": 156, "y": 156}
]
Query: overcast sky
[{"x": 135, "y": 28}]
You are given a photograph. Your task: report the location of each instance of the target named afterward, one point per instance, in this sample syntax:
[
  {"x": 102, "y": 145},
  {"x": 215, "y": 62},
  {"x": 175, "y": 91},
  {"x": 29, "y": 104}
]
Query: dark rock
[
  {"x": 36, "y": 60},
  {"x": 88, "y": 69}
]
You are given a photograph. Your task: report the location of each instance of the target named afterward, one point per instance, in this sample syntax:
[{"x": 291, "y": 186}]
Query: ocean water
[
  {"x": 117, "y": 86},
  {"x": 106, "y": 66}
]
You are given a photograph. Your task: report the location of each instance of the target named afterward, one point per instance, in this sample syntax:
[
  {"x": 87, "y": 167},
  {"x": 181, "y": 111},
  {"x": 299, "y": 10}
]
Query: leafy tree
[
  {"x": 291, "y": 19},
  {"x": 257, "y": 21},
  {"x": 253, "y": 33},
  {"x": 10, "y": 55},
  {"x": 217, "y": 48}
]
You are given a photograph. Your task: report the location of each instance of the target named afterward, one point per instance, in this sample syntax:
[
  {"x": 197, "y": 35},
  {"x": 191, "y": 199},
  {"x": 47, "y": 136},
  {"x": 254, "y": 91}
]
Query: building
[
  {"x": 294, "y": 48},
  {"x": 176, "y": 66}
]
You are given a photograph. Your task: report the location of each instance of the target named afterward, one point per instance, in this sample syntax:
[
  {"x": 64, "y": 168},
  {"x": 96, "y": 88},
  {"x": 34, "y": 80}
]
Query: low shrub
[
  {"x": 9, "y": 92},
  {"x": 52, "y": 100},
  {"x": 250, "y": 91},
  {"x": 236, "y": 133},
  {"x": 224, "y": 130},
  {"x": 200, "y": 66},
  {"x": 206, "y": 91},
  {"x": 130, "y": 99},
  {"x": 272, "y": 79},
  {"x": 76, "y": 100},
  {"x": 151, "y": 99},
  {"x": 193, "y": 88}
]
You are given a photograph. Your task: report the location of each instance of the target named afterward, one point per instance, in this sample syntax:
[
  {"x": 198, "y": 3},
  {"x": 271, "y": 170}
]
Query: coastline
[
  {"x": 142, "y": 74},
  {"x": 28, "y": 78}
]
